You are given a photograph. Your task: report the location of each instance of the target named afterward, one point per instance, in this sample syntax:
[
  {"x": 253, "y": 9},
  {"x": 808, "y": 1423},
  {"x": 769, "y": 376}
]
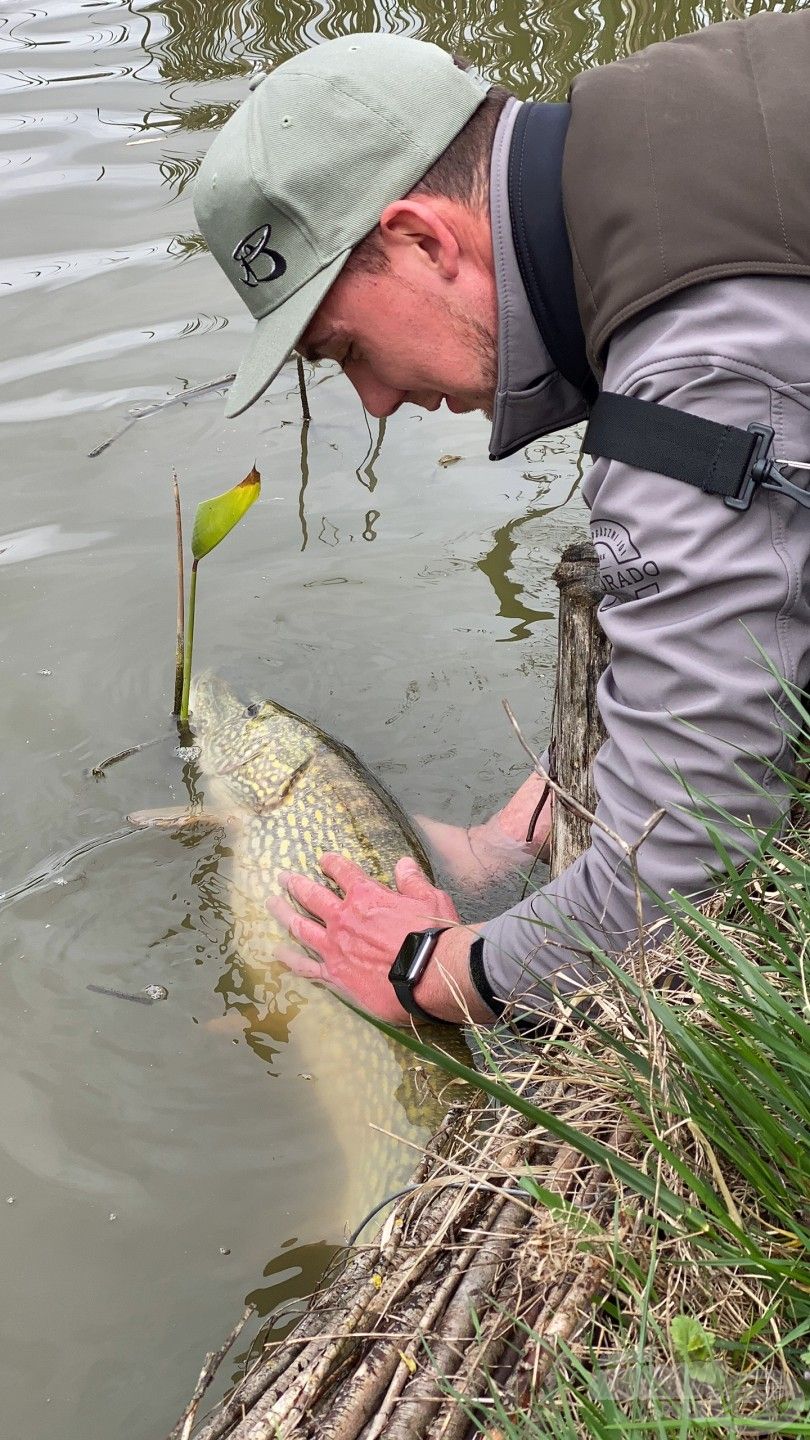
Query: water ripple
[
  {"x": 21, "y": 272},
  {"x": 106, "y": 345},
  {"x": 41, "y": 540}
]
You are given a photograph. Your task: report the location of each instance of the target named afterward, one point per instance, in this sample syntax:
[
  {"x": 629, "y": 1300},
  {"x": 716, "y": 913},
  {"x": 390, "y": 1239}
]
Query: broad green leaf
[
  {"x": 217, "y": 516},
  {"x": 690, "y": 1341}
]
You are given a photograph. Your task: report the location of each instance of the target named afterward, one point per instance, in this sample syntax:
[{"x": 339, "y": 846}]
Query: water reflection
[
  {"x": 302, "y": 513},
  {"x": 533, "y": 48},
  {"x": 365, "y": 470},
  {"x": 293, "y": 1273},
  {"x": 497, "y": 565},
  {"x": 372, "y": 516}
]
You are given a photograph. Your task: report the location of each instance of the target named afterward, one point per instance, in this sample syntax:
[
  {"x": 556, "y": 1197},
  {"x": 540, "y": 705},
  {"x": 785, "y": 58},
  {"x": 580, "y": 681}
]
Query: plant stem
[
  {"x": 178, "y": 657},
  {"x": 192, "y": 597}
]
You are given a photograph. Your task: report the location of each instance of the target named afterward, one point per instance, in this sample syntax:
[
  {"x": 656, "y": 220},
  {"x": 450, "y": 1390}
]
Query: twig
[
  {"x": 302, "y": 386},
  {"x": 293, "y": 1353},
  {"x": 181, "y": 601},
  {"x": 557, "y": 789},
  {"x": 469, "y": 1292},
  {"x": 213, "y": 1360},
  {"x": 98, "y": 770},
  {"x": 281, "y": 1404},
  {"x": 181, "y": 397}
]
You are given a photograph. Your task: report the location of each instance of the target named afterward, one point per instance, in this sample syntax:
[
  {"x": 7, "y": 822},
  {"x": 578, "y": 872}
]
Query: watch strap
[
  {"x": 404, "y": 984},
  {"x": 480, "y": 979}
]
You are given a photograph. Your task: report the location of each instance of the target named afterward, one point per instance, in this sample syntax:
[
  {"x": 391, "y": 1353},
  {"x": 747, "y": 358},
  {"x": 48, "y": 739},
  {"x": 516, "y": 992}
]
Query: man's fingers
[
  {"x": 281, "y": 910},
  {"x": 315, "y": 898},
  {"x": 309, "y": 932},
  {"x": 411, "y": 880},
  {"x": 299, "y": 963},
  {"x": 344, "y": 872}
]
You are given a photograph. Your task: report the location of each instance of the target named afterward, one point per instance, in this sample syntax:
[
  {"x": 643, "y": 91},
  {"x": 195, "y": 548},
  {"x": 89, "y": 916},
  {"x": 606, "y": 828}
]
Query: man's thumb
[{"x": 411, "y": 879}]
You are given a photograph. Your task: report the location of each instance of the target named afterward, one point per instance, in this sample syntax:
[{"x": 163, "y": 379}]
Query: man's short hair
[{"x": 461, "y": 173}]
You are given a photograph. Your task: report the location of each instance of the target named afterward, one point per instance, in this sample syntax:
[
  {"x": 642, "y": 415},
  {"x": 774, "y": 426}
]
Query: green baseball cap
[{"x": 304, "y": 168}]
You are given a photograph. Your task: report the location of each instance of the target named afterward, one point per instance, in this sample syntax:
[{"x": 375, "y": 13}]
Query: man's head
[{"x": 347, "y": 201}]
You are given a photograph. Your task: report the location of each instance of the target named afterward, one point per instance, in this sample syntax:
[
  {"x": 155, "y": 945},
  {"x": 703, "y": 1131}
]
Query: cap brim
[{"x": 276, "y": 335}]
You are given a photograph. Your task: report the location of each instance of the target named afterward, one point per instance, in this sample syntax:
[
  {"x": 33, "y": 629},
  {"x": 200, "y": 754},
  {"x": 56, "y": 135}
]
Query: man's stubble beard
[
  {"x": 483, "y": 344},
  {"x": 479, "y": 339}
]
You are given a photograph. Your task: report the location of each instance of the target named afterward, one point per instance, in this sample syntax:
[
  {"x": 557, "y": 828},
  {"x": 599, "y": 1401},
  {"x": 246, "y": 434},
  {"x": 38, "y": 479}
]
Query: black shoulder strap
[
  {"x": 718, "y": 459},
  {"x": 669, "y": 442},
  {"x": 541, "y": 239}
]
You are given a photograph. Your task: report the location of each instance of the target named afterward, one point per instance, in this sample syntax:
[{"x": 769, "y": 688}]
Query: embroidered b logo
[{"x": 258, "y": 262}]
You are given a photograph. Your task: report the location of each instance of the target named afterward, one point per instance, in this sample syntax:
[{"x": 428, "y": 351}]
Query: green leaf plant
[{"x": 215, "y": 518}]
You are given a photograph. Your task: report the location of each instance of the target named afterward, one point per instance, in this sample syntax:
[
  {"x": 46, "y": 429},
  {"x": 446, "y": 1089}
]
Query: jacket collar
[{"x": 532, "y": 398}]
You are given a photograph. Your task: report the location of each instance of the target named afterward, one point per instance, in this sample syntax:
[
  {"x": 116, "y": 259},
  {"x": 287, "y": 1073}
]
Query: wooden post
[{"x": 577, "y": 732}]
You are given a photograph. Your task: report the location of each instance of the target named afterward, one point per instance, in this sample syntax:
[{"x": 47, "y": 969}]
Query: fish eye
[{"x": 253, "y": 709}]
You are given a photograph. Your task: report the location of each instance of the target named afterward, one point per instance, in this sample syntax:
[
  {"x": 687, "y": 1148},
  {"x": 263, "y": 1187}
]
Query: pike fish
[{"x": 286, "y": 793}]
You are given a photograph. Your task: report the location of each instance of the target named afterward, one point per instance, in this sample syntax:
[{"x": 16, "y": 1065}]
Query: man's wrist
[{"x": 446, "y": 989}]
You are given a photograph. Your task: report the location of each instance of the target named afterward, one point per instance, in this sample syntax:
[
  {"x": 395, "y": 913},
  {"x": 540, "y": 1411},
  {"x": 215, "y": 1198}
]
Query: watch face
[
  {"x": 409, "y": 966},
  {"x": 424, "y": 946}
]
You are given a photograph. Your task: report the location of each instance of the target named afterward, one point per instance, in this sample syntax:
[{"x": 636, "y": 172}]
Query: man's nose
[{"x": 379, "y": 400}]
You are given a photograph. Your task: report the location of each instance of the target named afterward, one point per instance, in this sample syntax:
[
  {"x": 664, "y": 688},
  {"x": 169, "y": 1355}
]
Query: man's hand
[
  {"x": 480, "y": 855},
  {"x": 357, "y": 935}
]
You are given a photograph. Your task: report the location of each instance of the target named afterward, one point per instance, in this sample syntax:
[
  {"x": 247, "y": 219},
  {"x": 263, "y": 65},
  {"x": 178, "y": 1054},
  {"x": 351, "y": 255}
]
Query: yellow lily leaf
[{"x": 217, "y": 516}]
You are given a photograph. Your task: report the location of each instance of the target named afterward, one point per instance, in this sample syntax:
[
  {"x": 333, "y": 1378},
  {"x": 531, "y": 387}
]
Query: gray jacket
[{"x": 700, "y": 600}]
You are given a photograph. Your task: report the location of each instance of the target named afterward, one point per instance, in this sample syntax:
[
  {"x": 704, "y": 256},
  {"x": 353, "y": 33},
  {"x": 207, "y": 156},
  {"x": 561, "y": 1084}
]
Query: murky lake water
[{"x": 391, "y": 598}]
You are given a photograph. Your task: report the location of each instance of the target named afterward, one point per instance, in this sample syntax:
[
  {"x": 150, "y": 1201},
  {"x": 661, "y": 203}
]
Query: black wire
[{"x": 409, "y": 1190}]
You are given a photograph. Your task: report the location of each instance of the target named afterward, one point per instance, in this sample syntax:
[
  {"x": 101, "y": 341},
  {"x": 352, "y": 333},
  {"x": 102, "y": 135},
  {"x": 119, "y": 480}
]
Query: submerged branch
[{"x": 213, "y": 1360}]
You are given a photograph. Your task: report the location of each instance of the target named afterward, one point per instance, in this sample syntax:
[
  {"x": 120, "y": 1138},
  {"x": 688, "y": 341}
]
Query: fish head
[{"x": 255, "y": 749}]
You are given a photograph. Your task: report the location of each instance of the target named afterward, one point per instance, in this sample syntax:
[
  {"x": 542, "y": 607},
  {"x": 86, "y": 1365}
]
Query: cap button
[{"x": 255, "y": 80}]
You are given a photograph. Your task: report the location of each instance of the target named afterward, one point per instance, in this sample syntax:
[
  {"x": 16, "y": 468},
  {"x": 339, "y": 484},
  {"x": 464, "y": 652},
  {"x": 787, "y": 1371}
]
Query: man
[{"x": 374, "y": 204}]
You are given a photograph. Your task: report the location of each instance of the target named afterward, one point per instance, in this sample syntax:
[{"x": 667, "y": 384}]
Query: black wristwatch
[{"x": 409, "y": 967}]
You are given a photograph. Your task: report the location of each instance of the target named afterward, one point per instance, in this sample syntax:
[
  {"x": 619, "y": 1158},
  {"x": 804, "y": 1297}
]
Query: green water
[{"x": 392, "y": 599}]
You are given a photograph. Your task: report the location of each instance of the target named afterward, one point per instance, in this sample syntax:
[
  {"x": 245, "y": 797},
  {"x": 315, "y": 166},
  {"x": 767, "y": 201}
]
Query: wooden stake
[{"x": 583, "y": 651}]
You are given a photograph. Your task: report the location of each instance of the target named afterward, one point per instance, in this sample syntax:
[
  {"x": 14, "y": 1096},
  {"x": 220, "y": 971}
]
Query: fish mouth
[
  {"x": 215, "y": 709},
  {"x": 210, "y": 695}
]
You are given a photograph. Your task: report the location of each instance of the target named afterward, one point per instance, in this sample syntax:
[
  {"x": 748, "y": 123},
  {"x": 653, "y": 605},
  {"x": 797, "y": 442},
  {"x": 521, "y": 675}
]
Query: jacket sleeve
[{"x": 700, "y": 600}]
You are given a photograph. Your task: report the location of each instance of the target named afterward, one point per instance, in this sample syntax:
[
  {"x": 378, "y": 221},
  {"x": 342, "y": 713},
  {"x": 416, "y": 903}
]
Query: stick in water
[
  {"x": 213, "y": 1360},
  {"x": 302, "y": 386}
]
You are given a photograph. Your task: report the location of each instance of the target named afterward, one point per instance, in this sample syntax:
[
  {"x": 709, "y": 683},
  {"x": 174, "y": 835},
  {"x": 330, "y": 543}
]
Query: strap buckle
[{"x": 764, "y": 470}]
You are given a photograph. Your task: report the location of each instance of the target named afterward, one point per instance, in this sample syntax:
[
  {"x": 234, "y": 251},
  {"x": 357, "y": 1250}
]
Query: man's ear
[{"x": 421, "y": 232}]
